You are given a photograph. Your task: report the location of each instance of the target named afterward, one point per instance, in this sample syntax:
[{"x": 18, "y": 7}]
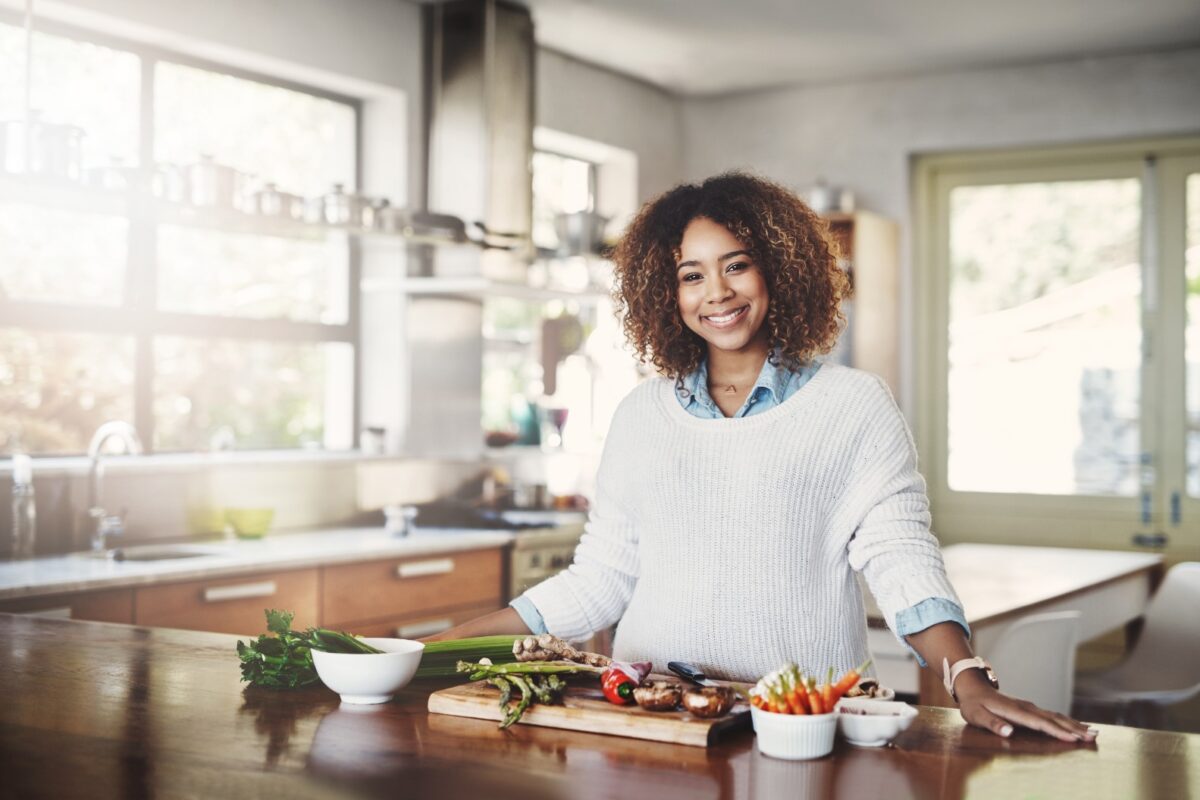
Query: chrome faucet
[{"x": 104, "y": 524}]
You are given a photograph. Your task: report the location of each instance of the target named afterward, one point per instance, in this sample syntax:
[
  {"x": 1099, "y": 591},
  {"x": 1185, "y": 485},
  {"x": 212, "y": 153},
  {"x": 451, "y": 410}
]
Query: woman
[{"x": 739, "y": 494}]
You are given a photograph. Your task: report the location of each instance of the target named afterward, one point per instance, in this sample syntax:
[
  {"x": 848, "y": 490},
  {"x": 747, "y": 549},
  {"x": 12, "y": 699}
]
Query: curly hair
[{"x": 788, "y": 241}]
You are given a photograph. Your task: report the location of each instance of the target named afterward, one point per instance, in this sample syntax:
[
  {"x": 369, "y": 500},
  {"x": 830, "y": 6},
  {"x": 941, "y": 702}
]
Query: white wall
[
  {"x": 862, "y": 135},
  {"x": 594, "y": 103}
]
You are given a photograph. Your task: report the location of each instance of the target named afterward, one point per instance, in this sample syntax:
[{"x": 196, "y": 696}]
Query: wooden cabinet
[
  {"x": 109, "y": 605},
  {"x": 869, "y": 246},
  {"x": 230, "y": 605},
  {"x": 414, "y": 626},
  {"x": 411, "y": 588},
  {"x": 406, "y": 597}
]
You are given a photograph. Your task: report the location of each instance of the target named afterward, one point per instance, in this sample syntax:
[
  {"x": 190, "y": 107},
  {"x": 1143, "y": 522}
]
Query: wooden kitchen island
[{"x": 101, "y": 710}]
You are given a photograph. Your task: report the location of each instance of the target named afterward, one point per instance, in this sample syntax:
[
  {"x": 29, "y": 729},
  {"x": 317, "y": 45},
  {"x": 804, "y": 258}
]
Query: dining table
[
  {"x": 101, "y": 710},
  {"x": 999, "y": 585}
]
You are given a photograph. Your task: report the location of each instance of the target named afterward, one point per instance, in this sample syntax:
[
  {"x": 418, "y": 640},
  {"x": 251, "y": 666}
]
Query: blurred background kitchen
[{"x": 343, "y": 264}]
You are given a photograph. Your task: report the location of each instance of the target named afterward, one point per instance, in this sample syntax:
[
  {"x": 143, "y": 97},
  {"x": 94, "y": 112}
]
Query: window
[
  {"x": 1060, "y": 366},
  {"x": 120, "y": 301}
]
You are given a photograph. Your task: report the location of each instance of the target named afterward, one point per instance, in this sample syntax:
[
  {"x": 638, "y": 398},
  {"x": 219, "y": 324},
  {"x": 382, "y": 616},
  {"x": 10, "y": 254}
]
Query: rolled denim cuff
[
  {"x": 529, "y": 614},
  {"x": 926, "y": 614}
]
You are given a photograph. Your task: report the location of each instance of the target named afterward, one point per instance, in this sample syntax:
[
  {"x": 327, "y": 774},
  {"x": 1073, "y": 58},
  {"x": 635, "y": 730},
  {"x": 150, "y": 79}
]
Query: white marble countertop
[{"x": 77, "y": 572}]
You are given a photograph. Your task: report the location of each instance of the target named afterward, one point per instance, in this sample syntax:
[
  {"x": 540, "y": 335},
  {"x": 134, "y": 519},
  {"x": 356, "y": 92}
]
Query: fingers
[
  {"x": 980, "y": 716},
  {"x": 1030, "y": 716}
]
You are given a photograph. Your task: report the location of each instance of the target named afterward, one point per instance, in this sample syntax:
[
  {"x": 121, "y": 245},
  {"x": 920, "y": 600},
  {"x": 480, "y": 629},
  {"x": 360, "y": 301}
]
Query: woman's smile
[{"x": 726, "y": 320}]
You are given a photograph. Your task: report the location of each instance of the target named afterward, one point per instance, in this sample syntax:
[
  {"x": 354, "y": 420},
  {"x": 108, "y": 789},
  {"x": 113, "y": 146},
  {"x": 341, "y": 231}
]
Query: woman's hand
[{"x": 985, "y": 707}]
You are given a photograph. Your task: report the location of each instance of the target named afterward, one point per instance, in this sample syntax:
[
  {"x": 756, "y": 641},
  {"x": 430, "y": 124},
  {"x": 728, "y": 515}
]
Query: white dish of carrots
[{"x": 788, "y": 690}]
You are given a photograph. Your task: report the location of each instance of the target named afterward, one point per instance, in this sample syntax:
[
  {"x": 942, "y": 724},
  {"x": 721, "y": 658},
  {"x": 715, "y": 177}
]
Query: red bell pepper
[{"x": 618, "y": 686}]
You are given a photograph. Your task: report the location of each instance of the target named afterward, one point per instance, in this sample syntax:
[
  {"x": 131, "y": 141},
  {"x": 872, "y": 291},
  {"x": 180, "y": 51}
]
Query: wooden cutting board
[{"x": 584, "y": 708}]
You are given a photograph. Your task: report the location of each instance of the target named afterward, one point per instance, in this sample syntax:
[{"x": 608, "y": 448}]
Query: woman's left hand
[{"x": 985, "y": 707}]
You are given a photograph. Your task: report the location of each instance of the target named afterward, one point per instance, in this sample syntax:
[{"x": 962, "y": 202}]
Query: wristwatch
[{"x": 950, "y": 672}]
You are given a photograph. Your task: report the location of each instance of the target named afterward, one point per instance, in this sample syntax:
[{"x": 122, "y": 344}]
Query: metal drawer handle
[
  {"x": 434, "y": 566},
  {"x": 216, "y": 594},
  {"x": 428, "y": 627}
]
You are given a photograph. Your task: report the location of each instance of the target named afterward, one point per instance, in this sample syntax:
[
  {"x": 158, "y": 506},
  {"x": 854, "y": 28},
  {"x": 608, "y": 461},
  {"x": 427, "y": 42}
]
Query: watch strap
[{"x": 950, "y": 672}]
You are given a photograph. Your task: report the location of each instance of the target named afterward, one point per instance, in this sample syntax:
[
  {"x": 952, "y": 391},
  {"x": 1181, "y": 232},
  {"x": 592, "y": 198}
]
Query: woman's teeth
[{"x": 727, "y": 318}]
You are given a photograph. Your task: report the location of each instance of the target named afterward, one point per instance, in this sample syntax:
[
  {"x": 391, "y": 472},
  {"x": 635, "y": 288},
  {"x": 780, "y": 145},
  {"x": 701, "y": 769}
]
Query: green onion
[{"x": 441, "y": 658}]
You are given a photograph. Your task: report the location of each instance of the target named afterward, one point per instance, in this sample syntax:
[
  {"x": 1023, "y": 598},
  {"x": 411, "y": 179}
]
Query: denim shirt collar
[{"x": 773, "y": 378}]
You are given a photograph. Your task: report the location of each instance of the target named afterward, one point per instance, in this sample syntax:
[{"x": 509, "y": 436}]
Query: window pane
[
  {"x": 215, "y": 393},
  {"x": 244, "y": 275},
  {"x": 61, "y": 256},
  {"x": 302, "y": 143},
  {"x": 1045, "y": 338},
  {"x": 94, "y": 87},
  {"x": 1193, "y": 334},
  {"x": 57, "y": 388},
  {"x": 561, "y": 185}
]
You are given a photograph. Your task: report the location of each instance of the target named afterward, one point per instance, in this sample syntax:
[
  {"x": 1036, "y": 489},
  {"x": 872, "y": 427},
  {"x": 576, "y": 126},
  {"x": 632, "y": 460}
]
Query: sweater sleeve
[
  {"x": 594, "y": 591},
  {"x": 892, "y": 544}
]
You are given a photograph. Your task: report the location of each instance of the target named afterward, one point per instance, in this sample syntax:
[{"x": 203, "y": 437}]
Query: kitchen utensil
[
  {"x": 213, "y": 185},
  {"x": 249, "y": 523},
  {"x": 57, "y": 151},
  {"x": 584, "y": 708},
  {"x": 580, "y": 232},
  {"x": 794, "y": 736},
  {"x": 867, "y": 722},
  {"x": 368, "y": 678},
  {"x": 690, "y": 673},
  {"x": 343, "y": 208}
]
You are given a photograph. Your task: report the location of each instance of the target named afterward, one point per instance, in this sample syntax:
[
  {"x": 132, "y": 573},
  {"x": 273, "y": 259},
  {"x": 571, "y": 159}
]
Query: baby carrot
[
  {"x": 814, "y": 698},
  {"x": 847, "y": 681},
  {"x": 827, "y": 698},
  {"x": 796, "y": 697}
]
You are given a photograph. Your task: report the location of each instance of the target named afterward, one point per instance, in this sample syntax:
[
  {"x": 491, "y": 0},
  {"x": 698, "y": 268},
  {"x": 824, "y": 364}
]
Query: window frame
[
  {"x": 138, "y": 315},
  {"x": 1055, "y": 520}
]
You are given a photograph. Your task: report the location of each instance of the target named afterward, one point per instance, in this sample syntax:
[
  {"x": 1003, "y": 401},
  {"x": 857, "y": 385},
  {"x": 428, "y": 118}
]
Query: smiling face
[{"x": 722, "y": 292}]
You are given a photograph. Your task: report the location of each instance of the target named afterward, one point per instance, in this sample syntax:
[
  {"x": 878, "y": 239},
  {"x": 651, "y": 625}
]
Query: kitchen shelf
[
  {"x": 62, "y": 195},
  {"x": 470, "y": 286},
  {"x": 71, "y": 196}
]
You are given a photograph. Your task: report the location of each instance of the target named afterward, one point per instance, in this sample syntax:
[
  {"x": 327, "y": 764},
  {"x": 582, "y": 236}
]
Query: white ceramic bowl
[
  {"x": 370, "y": 677},
  {"x": 793, "y": 736},
  {"x": 882, "y": 721}
]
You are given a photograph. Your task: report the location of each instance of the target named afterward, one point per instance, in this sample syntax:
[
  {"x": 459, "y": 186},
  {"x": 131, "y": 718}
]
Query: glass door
[
  {"x": 1059, "y": 324},
  {"x": 1179, "y": 199}
]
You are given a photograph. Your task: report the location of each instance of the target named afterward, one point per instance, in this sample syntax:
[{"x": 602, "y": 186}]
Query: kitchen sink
[{"x": 152, "y": 552}]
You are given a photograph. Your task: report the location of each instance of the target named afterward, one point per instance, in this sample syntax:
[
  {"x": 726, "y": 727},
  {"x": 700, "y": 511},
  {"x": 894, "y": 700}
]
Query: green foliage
[{"x": 285, "y": 660}]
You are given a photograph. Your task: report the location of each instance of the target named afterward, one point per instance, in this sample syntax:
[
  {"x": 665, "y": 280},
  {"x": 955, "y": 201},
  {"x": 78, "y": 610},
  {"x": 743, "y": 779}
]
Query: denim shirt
[{"x": 775, "y": 384}]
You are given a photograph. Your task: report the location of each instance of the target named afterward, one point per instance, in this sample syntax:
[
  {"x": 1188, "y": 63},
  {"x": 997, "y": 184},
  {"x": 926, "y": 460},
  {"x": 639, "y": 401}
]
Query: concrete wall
[{"x": 863, "y": 135}]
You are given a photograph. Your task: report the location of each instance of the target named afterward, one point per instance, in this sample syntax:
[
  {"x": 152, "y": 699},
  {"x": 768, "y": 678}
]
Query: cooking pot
[{"x": 580, "y": 232}]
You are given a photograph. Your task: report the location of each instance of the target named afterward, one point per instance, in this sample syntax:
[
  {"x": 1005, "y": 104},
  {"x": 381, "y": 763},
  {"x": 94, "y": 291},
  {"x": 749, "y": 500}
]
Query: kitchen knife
[{"x": 690, "y": 673}]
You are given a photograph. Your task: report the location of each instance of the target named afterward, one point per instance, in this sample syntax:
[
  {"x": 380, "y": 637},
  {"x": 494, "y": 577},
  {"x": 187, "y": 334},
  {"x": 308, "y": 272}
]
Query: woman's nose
[{"x": 719, "y": 290}]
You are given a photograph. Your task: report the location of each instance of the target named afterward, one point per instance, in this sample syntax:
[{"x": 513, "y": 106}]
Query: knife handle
[{"x": 687, "y": 671}]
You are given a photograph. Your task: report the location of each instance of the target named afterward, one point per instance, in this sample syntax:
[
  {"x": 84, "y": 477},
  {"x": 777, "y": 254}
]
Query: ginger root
[{"x": 550, "y": 648}]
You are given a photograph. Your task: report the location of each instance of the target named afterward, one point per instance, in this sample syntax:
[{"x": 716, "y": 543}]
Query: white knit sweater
[{"x": 732, "y": 544}]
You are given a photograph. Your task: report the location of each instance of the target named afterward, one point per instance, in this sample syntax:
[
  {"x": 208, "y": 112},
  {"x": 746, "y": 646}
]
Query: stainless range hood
[
  {"x": 479, "y": 109},
  {"x": 479, "y": 112}
]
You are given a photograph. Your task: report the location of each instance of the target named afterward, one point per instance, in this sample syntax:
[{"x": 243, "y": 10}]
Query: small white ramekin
[{"x": 794, "y": 736}]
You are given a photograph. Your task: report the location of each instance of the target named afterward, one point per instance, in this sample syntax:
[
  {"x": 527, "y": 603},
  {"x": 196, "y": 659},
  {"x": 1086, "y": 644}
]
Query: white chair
[
  {"x": 1035, "y": 659},
  {"x": 1164, "y": 666}
]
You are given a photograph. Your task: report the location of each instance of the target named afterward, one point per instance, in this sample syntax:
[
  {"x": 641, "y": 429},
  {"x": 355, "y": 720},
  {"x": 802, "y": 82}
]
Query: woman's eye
[
  {"x": 737, "y": 266},
  {"x": 691, "y": 277}
]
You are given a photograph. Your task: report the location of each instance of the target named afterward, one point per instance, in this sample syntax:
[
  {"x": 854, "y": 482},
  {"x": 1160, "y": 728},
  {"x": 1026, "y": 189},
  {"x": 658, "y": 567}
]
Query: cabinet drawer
[
  {"x": 230, "y": 605},
  {"x": 110, "y": 605},
  {"x": 416, "y": 626},
  {"x": 381, "y": 590}
]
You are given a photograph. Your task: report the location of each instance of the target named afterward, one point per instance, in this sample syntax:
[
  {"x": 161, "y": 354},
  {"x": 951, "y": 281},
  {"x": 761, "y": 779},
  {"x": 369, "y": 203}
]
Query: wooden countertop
[
  {"x": 77, "y": 572},
  {"x": 95, "y": 710}
]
